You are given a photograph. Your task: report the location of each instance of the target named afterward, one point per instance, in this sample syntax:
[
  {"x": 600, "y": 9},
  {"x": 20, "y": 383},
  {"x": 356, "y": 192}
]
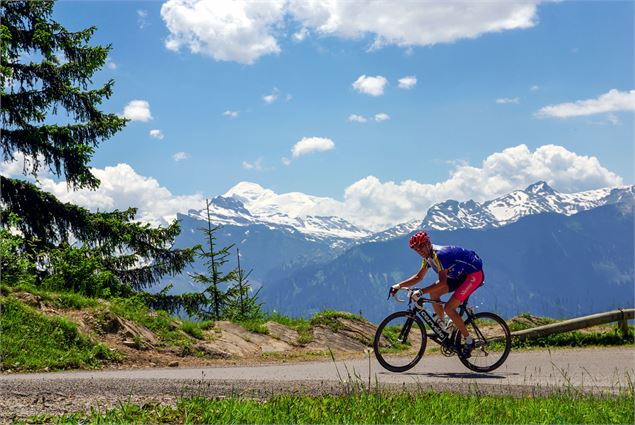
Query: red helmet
[{"x": 419, "y": 239}]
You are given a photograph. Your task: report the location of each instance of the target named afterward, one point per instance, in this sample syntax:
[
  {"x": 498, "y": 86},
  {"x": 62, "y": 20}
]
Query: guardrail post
[{"x": 623, "y": 324}]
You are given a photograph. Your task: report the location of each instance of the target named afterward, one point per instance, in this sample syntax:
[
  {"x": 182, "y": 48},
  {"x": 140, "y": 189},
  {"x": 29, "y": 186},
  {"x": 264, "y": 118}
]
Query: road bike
[{"x": 401, "y": 337}]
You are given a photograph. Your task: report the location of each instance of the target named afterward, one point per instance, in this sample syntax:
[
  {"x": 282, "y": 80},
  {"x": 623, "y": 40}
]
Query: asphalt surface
[{"x": 598, "y": 370}]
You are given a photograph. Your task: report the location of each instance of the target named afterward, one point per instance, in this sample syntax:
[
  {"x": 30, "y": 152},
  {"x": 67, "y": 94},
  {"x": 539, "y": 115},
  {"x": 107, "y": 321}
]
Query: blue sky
[{"x": 478, "y": 94}]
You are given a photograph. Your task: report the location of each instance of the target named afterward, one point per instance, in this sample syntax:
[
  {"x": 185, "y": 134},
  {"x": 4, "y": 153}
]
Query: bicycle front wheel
[
  {"x": 400, "y": 341},
  {"x": 492, "y": 342}
]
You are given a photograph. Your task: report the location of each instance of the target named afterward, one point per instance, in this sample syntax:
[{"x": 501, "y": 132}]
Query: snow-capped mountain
[
  {"x": 535, "y": 199},
  {"x": 248, "y": 203}
]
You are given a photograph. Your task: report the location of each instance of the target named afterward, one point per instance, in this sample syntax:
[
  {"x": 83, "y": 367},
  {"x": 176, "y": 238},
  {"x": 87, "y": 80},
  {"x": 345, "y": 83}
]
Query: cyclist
[{"x": 460, "y": 271}]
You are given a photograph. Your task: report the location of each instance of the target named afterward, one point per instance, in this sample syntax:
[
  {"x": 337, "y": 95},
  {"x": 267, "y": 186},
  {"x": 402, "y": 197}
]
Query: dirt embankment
[{"x": 223, "y": 343}]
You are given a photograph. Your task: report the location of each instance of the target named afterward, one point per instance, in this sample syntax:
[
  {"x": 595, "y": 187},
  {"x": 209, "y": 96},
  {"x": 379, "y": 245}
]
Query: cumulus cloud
[
  {"x": 382, "y": 116},
  {"x": 357, "y": 118},
  {"x": 226, "y": 30},
  {"x": 372, "y": 86},
  {"x": 612, "y": 101},
  {"x": 180, "y": 156},
  {"x": 381, "y": 204},
  {"x": 311, "y": 144},
  {"x": 270, "y": 98},
  {"x": 111, "y": 64},
  {"x": 285, "y": 160},
  {"x": 413, "y": 23},
  {"x": 230, "y": 114},
  {"x": 244, "y": 31},
  {"x": 508, "y": 100},
  {"x": 121, "y": 187},
  {"x": 156, "y": 134},
  {"x": 407, "y": 82},
  {"x": 368, "y": 202},
  {"x": 256, "y": 165},
  {"x": 137, "y": 110}
]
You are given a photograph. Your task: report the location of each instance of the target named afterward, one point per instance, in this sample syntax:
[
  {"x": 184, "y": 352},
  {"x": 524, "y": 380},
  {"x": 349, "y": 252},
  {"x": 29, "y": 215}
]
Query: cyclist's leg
[
  {"x": 435, "y": 292},
  {"x": 472, "y": 281}
]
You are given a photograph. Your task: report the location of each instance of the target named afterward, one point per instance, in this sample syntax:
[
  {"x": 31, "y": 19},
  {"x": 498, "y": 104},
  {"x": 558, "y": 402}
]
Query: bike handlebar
[{"x": 410, "y": 292}]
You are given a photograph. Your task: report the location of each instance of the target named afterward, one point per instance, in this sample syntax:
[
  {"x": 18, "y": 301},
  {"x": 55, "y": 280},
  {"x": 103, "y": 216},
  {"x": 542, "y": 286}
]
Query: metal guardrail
[{"x": 620, "y": 316}]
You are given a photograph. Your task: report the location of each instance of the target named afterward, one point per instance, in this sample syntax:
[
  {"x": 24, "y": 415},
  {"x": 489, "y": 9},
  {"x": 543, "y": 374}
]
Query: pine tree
[
  {"x": 50, "y": 116},
  {"x": 214, "y": 262},
  {"x": 242, "y": 304}
]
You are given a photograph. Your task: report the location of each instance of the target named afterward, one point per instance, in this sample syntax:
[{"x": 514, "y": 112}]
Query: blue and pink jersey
[
  {"x": 457, "y": 261},
  {"x": 465, "y": 268}
]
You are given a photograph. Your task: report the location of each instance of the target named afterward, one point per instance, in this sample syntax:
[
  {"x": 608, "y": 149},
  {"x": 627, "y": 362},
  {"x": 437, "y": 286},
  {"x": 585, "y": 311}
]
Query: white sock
[{"x": 469, "y": 340}]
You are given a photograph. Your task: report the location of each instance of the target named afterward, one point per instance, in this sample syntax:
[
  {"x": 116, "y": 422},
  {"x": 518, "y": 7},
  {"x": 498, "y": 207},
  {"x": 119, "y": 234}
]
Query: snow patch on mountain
[
  {"x": 535, "y": 199},
  {"x": 249, "y": 203}
]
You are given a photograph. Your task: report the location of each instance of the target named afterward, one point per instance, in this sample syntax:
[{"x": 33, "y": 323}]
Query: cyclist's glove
[{"x": 393, "y": 290}]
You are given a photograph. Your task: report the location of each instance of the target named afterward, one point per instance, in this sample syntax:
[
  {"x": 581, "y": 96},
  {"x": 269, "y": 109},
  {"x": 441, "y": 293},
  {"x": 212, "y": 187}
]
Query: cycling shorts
[{"x": 465, "y": 285}]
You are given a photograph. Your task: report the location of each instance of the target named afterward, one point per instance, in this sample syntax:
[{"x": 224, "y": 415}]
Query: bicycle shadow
[{"x": 459, "y": 375}]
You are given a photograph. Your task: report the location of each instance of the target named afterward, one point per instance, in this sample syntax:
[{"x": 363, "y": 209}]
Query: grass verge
[
  {"x": 371, "y": 408},
  {"x": 30, "y": 340},
  {"x": 168, "y": 329}
]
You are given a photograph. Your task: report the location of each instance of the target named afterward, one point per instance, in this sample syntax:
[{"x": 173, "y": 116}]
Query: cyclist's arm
[{"x": 414, "y": 279}]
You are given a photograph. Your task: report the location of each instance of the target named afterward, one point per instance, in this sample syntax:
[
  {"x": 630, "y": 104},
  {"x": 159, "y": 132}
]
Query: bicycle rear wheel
[
  {"x": 400, "y": 341},
  {"x": 492, "y": 342}
]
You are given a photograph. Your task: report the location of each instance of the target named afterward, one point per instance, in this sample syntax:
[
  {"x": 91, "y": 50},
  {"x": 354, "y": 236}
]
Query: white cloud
[
  {"x": 372, "y": 86},
  {"x": 230, "y": 114},
  {"x": 157, "y": 134},
  {"x": 406, "y": 23},
  {"x": 111, "y": 64},
  {"x": 256, "y": 165},
  {"x": 612, "y": 101},
  {"x": 300, "y": 35},
  {"x": 142, "y": 16},
  {"x": 244, "y": 31},
  {"x": 357, "y": 118},
  {"x": 508, "y": 100},
  {"x": 121, "y": 187},
  {"x": 311, "y": 144},
  {"x": 378, "y": 205},
  {"x": 535, "y": 88},
  {"x": 407, "y": 82},
  {"x": 270, "y": 98},
  {"x": 240, "y": 31},
  {"x": 368, "y": 202},
  {"x": 137, "y": 110},
  {"x": 285, "y": 160},
  {"x": 381, "y": 117},
  {"x": 180, "y": 156}
]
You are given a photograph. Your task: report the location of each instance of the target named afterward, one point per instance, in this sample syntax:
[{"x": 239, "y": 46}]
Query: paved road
[
  {"x": 525, "y": 372},
  {"x": 581, "y": 368}
]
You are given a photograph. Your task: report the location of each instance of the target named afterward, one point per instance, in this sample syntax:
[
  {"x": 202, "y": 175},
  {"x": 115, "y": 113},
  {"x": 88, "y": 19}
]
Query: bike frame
[{"x": 439, "y": 335}]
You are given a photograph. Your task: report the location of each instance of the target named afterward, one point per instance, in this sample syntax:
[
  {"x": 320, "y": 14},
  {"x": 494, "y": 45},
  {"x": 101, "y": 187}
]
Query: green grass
[
  {"x": 612, "y": 337},
  {"x": 30, "y": 340},
  {"x": 64, "y": 300},
  {"x": 372, "y": 408},
  {"x": 329, "y": 318},
  {"x": 165, "y": 327},
  {"x": 255, "y": 326},
  {"x": 302, "y": 326},
  {"x": 609, "y": 336},
  {"x": 192, "y": 329}
]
